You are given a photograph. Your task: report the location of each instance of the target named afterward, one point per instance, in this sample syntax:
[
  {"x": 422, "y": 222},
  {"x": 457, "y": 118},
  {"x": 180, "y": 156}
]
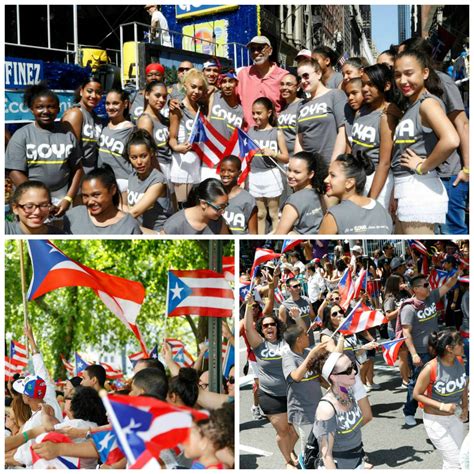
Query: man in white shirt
[{"x": 159, "y": 32}]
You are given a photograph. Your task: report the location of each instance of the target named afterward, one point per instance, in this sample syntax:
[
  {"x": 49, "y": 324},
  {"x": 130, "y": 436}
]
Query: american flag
[
  {"x": 18, "y": 355},
  {"x": 180, "y": 355},
  {"x": 360, "y": 319},
  {"x": 343, "y": 59},
  {"x": 11, "y": 369},
  {"x": 279, "y": 297},
  {"x": 390, "y": 350}
]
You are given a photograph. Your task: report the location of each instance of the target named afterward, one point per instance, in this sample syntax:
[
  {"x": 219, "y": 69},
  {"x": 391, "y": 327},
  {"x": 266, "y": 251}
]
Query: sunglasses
[
  {"x": 425, "y": 285},
  {"x": 295, "y": 286},
  {"x": 217, "y": 208},
  {"x": 269, "y": 325},
  {"x": 305, "y": 76},
  {"x": 348, "y": 371},
  {"x": 231, "y": 380},
  {"x": 204, "y": 386},
  {"x": 335, "y": 313},
  {"x": 183, "y": 69},
  {"x": 258, "y": 48},
  {"x": 335, "y": 298}
]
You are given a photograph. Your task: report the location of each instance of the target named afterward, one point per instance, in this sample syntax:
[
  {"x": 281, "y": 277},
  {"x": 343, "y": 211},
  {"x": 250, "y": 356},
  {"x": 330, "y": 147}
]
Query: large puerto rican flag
[
  {"x": 53, "y": 269},
  {"x": 346, "y": 288},
  {"x": 289, "y": 244},
  {"x": 360, "y": 319},
  {"x": 261, "y": 256},
  {"x": 199, "y": 292}
]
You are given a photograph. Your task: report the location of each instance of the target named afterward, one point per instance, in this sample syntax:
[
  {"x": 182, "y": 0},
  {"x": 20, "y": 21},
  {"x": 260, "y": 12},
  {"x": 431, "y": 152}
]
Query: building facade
[{"x": 404, "y": 23}]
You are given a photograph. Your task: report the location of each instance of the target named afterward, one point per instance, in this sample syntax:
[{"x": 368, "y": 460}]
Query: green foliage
[{"x": 70, "y": 319}]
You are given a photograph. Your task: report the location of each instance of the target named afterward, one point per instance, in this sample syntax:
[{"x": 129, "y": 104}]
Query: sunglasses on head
[
  {"x": 335, "y": 313},
  {"x": 348, "y": 371},
  {"x": 268, "y": 325}
]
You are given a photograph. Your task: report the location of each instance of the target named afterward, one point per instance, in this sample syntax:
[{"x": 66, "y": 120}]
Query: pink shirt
[{"x": 251, "y": 86}]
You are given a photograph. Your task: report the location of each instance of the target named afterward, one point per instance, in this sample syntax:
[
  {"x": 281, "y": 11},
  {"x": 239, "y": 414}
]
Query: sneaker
[
  {"x": 368, "y": 387},
  {"x": 410, "y": 420},
  {"x": 256, "y": 412},
  {"x": 374, "y": 386}
]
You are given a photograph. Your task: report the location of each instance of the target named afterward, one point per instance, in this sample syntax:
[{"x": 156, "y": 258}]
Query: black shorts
[{"x": 270, "y": 404}]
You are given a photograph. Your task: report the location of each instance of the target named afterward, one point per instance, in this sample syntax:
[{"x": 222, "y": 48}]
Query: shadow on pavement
[
  {"x": 248, "y": 461},
  {"x": 396, "y": 457},
  {"x": 379, "y": 408},
  {"x": 250, "y": 425}
]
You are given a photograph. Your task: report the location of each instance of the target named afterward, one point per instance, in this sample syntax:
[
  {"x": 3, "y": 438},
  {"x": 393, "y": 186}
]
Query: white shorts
[
  {"x": 421, "y": 198},
  {"x": 122, "y": 185},
  {"x": 253, "y": 369},
  {"x": 165, "y": 167},
  {"x": 265, "y": 183},
  {"x": 185, "y": 168},
  {"x": 386, "y": 192}
]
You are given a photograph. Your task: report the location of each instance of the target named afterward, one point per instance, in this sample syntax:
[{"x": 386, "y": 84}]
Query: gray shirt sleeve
[{"x": 340, "y": 101}]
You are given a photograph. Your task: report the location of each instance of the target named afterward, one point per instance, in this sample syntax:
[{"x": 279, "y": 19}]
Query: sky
[{"x": 384, "y": 26}]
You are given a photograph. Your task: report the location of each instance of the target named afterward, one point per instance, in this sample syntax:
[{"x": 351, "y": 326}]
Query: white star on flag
[
  {"x": 177, "y": 291},
  {"x": 129, "y": 429}
]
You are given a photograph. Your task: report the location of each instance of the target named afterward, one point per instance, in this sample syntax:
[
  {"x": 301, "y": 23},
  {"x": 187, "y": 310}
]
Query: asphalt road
[{"x": 387, "y": 441}]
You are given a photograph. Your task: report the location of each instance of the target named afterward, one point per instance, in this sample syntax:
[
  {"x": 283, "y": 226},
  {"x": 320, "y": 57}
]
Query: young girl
[
  {"x": 185, "y": 164},
  {"x": 114, "y": 137},
  {"x": 302, "y": 211},
  {"x": 355, "y": 99},
  {"x": 356, "y": 214},
  {"x": 31, "y": 203},
  {"x": 204, "y": 210},
  {"x": 46, "y": 150},
  {"x": 84, "y": 122},
  {"x": 424, "y": 138},
  {"x": 265, "y": 181},
  {"x": 156, "y": 124},
  {"x": 287, "y": 116},
  {"x": 146, "y": 197},
  {"x": 320, "y": 122},
  {"x": 351, "y": 69},
  {"x": 241, "y": 213},
  {"x": 100, "y": 213},
  {"x": 373, "y": 129}
]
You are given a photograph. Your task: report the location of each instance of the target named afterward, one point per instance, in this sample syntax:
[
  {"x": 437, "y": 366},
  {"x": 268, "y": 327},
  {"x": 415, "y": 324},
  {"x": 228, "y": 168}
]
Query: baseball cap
[
  {"x": 396, "y": 262},
  {"x": 31, "y": 386},
  {"x": 259, "y": 40},
  {"x": 211, "y": 63},
  {"x": 357, "y": 248},
  {"x": 230, "y": 75},
  {"x": 304, "y": 53}
]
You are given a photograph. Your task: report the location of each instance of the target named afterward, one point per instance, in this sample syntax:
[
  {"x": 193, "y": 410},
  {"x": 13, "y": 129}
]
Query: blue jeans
[
  {"x": 409, "y": 409},
  {"x": 456, "y": 216}
]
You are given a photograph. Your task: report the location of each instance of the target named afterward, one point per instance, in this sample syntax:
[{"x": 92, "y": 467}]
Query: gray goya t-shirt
[
  {"x": 137, "y": 107},
  {"x": 44, "y": 155},
  {"x": 77, "y": 221},
  {"x": 353, "y": 219},
  {"x": 270, "y": 370},
  {"x": 307, "y": 204},
  {"x": 154, "y": 217},
  {"x": 225, "y": 118},
  {"x": 423, "y": 322},
  {"x": 318, "y": 122},
  {"x": 237, "y": 213},
  {"x": 334, "y": 80},
  {"x": 13, "y": 228},
  {"x": 303, "y": 396},
  {"x": 112, "y": 144},
  {"x": 161, "y": 135},
  {"x": 264, "y": 139},
  {"x": 178, "y": 224},
  {"x": 450, "y": 382},
  {"x": 366, "y": 133},
  {"x": 287, "y": 124},
  {"x": 91, "y": 130}
]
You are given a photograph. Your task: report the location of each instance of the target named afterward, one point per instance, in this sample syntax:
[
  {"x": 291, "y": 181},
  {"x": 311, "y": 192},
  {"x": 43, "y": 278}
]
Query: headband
[
  {"x": 155, "y": 67},
  {"x": 328, "y": 366}
]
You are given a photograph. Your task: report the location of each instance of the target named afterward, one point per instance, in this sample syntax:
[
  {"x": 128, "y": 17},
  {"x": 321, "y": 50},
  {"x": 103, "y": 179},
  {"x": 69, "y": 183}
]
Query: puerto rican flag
[
  {"x": 107, "y": 447},
  {"x": 228, "y": 357},
  {"x": 199, "y": 292},
  {"x": 134, "y": 358},
  {"x": 262, "y": 256},
  {"x": 53, "y": 269},
  {"x": 149, "y": 424},
  {"x": 241, "y": 145},
  {"x": 279, "y": 296},
  {"x": 61, "y": 462},
  {"x": 228, "y": 268},
  {"x": 110, "y": 372},
  {"x": 438, "y": 278},
  {"x": 289, "y": 244},
  {"x": 464, "y": 279},
  {"x": 390, "y": 350},
  {"x": 68, "y": 366},
  {"x": 207, "y": 142},
  {"x": 360, "y": 283},
  {"x": 11, "y": 369},
  {"x": 418, "y": 246},
  {"x": 81, "y": 364},
  {"x": 360, "y": 319},
  {"x": 346, "y": 288},
  {"x": 18, "y": 354},
  {"x": 180, "y": 355}
]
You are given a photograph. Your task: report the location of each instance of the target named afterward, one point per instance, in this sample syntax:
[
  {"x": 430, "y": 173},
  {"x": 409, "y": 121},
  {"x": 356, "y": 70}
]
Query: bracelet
[
  {"x": 25, "y": 435},
  {"x": 69, "y": 199},
  {"x": 465, "y": 170},
  {"x": 418, "y": 168}
]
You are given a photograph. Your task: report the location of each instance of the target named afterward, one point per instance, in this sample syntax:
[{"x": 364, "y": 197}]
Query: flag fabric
[
  {"x": 11, "y": 369},
  {"x": 417, "y": 245},
  {"x": 18, "y": 354},
  {"x": 390, "y": 350},
  {"x": 153, "y": 353},
  {"x": 360, "y": 319},
  {"x": 438, "y": 278},
  {"x": 346, "y": 289},
  {"x": 289, "y": 244},
  {"x": 150, "y": 424},
  {"x": 279, "y": 296},
  {"x": 243, "y": 290},
  {"x": 61, "y": 462},
  {"x": 146, "y": 461},
  {"x": 134, "y": 358},
  {"x": 207, "y": 142},
  {"x": 343, "y": 59},
  {"x": 81, "y": 364},
  {"x": 360, "y": 283},
  {"x": 464, "y": 279},
  {"x": 180, "y": 355},
  {"x": 228, "y": 268},
  {"x": 228, "y": 354},
  {"x": 241, "y": 145},
  {"x": 68, "y": 366},
  {"x": 52, "y": 269},
  {"x": 199, "y": 292},
  {"x": 110, "y": 372},
  {"x": 262, "y": 256},
  {"x": 107, "y": 447}
]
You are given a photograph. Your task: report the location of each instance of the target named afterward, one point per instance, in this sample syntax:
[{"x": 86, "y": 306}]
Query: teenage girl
[
  {"x": 351, "y": 69},
  {"x": 84, "y": 122},
  {"x": 355, "y": 100},
  {"x": 356, "y": 213},
  {"x": 373, "y": 130},
  {"x": 146, "y": 197},
  {"x": 185, "y": 163},
  {"x": 302, "y": 211},
  {"x": 265, "y": 177},
  {"x": 424, "y": 139},
  {"x": 115, "y": 136},
  {"x": 46, "y": 150},
  {"x": 241, "y": 213},
  {"x": 287, "y": 116}
]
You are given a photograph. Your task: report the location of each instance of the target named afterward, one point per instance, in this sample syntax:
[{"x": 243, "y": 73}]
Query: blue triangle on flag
[{"x": 177, "y": 292}]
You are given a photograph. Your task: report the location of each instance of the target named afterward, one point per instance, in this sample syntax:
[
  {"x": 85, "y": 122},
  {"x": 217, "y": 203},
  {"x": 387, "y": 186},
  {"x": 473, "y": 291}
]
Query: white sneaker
[
  {"x": 410, "y": 420},
  {"x": 374, "y": 386},
  {"x": 257, "y": 413},
  {"x": 368, "y": 387}
]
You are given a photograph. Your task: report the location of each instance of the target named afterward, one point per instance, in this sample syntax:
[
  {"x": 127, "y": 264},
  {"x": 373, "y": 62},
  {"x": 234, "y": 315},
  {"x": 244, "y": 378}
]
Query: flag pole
[
  {"x": 23, "y": 290},
  {"x": 117, "y": 427}
]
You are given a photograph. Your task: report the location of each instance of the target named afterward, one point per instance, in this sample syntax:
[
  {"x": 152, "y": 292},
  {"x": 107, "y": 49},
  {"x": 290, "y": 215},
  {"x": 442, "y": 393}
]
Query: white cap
[{"x": 304, "y": 53}]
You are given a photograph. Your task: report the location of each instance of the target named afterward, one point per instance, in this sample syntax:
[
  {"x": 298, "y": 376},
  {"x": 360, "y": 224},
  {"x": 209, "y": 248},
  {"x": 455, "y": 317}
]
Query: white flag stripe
[
  {"x": 20, "y": 358},
  {"x": 126, "y": 310},
  {"x": 205, "y": 302},
  {"x": 220, "y": 283},
  {"x": 165, "y": 423},
  {"x": 65, "y": 264}
]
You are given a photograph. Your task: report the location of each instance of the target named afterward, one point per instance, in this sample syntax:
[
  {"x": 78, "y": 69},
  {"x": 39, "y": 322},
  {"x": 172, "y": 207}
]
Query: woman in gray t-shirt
[
  {"x": 302, "y": 211},
  {"x": 356, "y": 213}
]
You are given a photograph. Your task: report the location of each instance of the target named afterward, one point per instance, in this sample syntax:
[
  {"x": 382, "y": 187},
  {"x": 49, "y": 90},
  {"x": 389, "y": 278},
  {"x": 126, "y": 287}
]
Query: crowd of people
[
  {"x": 373, "y": 149},
  {"x": 75, "y": 412},
  {"x": 312, "y": 382}
]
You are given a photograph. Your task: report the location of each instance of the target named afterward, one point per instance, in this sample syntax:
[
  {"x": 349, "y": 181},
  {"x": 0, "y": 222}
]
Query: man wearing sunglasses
[
  {"x": 176, "y": 91},
  {"x": 418, "y": 319},
  {"x": 299, "y": 302},
  {"x": 262, "y": 79}
]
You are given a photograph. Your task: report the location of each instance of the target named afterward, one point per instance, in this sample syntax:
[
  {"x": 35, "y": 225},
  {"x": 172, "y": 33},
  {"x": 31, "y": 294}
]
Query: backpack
[{"x": 311, "y": 455}]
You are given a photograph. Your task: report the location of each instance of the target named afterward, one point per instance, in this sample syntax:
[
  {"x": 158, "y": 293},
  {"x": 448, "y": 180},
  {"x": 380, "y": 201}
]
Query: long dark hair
[
  {"x": 77, "y": 92},
  {"x": 327, "y": 315},
  {"x": 357, "y": 166},
  {"x": 207, "y": 190},
  {"x": 392, "y": 285},
  {"x": 315, "y": 162},
  {"x": 269, "y": 105},
  {"x": 439, "y": 340},
  {"x": 124, "y": 96},
  {"x": 149, "y": 87},
  {"x": 105, "y": 174},
  {"x": 140, "y": 137},
  {"x": 379, "y": 75}
]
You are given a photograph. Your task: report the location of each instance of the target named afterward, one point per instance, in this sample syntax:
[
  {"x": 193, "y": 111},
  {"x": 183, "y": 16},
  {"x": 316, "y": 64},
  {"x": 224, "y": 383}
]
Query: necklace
[{"x": 344, "y": 401}]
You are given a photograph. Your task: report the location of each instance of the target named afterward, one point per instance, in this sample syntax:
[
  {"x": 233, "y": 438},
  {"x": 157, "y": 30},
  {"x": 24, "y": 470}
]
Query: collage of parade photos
[{"x": 178, "y": 152}]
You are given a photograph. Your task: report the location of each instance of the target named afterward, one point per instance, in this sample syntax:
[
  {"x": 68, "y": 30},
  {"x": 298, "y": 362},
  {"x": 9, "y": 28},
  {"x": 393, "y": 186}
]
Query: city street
[{"x": 387, "y": 442}]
